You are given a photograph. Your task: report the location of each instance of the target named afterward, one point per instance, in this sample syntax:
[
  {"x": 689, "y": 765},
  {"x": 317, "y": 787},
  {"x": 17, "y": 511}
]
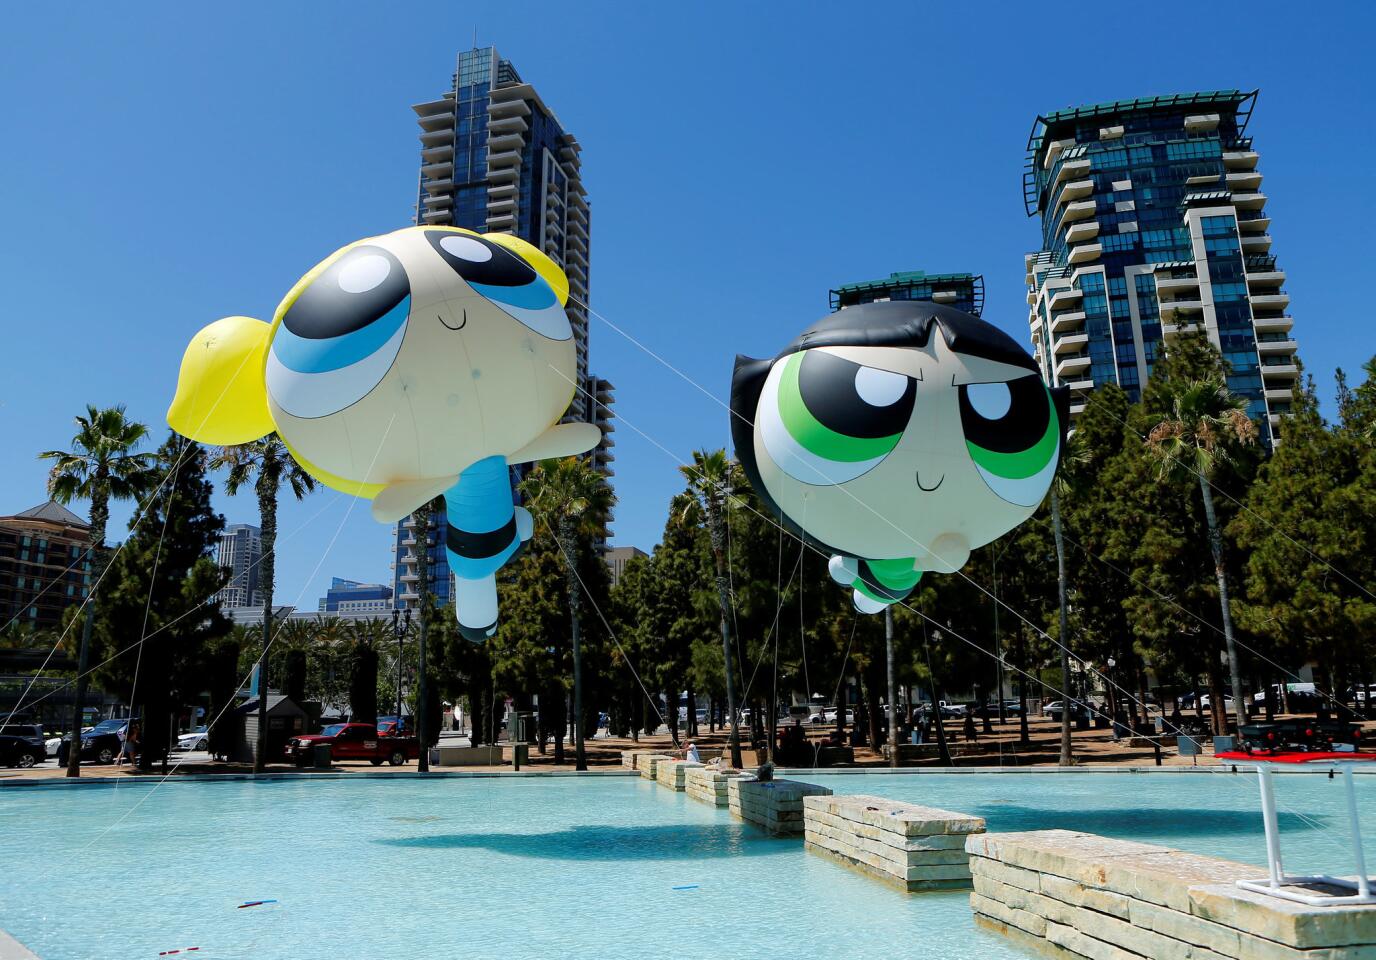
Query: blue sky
[{"x": 166, "y": 165}]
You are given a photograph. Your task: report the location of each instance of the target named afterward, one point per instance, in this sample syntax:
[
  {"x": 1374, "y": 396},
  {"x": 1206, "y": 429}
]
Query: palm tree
[
  {"x": 710, "y": 480},
  {"x": 422, "y": 518},
  {"x": 266, "y": 463},
  {"x": 573, "y": 499},
  {"x": 1199, "y": 436},
  {"x": 100, "y": 467}
]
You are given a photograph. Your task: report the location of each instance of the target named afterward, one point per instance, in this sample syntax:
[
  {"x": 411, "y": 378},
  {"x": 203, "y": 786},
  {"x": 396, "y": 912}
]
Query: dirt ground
[{"x": 1001, "y": 749}]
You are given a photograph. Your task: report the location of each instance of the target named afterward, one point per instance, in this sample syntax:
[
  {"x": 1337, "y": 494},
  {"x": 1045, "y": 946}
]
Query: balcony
[
  {"x": 1073, "y": 168},
  {"x": 440, "y": 170},
  {"x": 1175, "y": 285},
  {"x": 501, "y": 222},
  {"x": 1280, "y": 394},
  {"x": 1201, "y": 122},
  {"x": 1241, "y": 159},
  {"x": 1074, "y": 190},
  {"x": 507, "y": 141},
  {"x": 431, "y": 138},
  {"x": 436, "y": 216},
  {"x": 506, "y": 125},
  {"x": 434, "y": 187},
  {"x": 496, "y": 175},
  {"x": 442, "y": 200},
  {"x": 1054, "y": 150},
  {"x": 1256, "y": 223},
  {"x": 1270, "y": 301},
  {"x": 1072, "y": 365},
  {"x": 1279, "y": 371},
  {"x": 506, "y": 107},
  {"x": 1063, "y": 323},
  {"x": 1082, "y": 231},
  {"x": 1077, "y": 408},
  {"x": 1031, "y": 296},
  {"x": 1274, "y": 324},
  {"x": 1080, "y": 386},
  {"x": 1178, "y": 309},
  {"x": 1071, "y": 344},
  {"x": 437, "y": 121},
  {"x": 1249, "y": 201},
  {"x": 1255, "y": 242},
  {"x": 506, "y": 204},
  {"x": 1062, "y": 299},
  {"x": 502, "y": 158},
  {"x": 1244, "y": 181},
  {"x": 1085, "y": 252},
  {"x": 443, "y": 151},
  {"x": 1276, "y": 347},
  {"x": 1265, "y": 279},
  {"x": 1079, "y": 210}
]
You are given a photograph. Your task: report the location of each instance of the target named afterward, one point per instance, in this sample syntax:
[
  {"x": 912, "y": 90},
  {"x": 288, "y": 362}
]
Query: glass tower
[
  {"x": 495, "y": 158},
  {"x": 1153, "y": 222}
]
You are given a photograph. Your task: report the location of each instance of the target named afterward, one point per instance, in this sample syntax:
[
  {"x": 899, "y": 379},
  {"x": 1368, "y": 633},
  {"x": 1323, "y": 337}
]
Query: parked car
[
  {"x": 198, "y": 739},
  {"x": 354, "y": 741},
  {"x": 1078, "y": 710},
  {"x": 19, "y": 751},
  {"x": 387, "y": 726},
  {"x": 1011, "y": 708},
  {"x": 32, "y": 733},
  {"x": 100, "y": 744}
]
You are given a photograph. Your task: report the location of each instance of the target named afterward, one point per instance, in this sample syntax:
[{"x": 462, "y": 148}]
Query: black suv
[
  {"x": 100, "y": 744},
  {"x": 21, "y": 745}
]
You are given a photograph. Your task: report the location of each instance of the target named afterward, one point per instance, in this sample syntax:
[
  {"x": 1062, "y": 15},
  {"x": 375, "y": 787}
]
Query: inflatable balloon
[
  {"x": 400, "y": 368},
  {"x": 898, "y": 436}
]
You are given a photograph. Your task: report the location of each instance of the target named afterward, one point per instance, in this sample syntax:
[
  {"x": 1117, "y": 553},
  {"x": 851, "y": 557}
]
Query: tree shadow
[
  {"x": 600, "y": 842},
  {"x": 1129, "y": 824}
]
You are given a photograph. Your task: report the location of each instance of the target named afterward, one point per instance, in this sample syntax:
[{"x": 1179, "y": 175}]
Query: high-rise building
[
  {"x": 1153, "y": 222},
  {"x": 964, "y": 291},
  {"x": 617, "y": 557},
  {"x": 495, "y": 158},
  {"x": 406, "y": 575},
  {"x": 240, "y": 553},
  {"x": 43, "y": 565},
  {"x": 351, "y": 596}
]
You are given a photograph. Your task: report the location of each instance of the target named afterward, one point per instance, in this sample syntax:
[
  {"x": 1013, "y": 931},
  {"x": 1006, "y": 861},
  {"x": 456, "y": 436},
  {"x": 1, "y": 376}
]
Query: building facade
[
  {"x": 496, "y": 159},
  {"x": 1153, "y": 222},
  {"x": 964, "y": 291},
  {"x": 350, "y": 596},
  {"x": 618, "y": 557},
  {"x": 44, "y": 568},
  {"x": 240, "y": 554},
  {"x": 406, "y": 545}
]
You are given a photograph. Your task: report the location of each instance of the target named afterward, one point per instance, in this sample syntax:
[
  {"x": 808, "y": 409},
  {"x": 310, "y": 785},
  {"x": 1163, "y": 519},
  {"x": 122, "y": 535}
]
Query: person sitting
[{"x": 690, "y": 753}]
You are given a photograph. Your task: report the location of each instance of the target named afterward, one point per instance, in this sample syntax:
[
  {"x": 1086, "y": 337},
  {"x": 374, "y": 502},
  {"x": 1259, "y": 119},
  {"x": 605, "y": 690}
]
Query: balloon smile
[
  {"x": 462, "y": 323},
  {"x": 929, "y": 489}
]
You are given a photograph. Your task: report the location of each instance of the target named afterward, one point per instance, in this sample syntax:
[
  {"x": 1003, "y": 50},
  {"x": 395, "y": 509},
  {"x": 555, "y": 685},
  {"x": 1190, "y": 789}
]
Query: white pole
[
  {"x": 1268, "y": 816},
  {"x": 1363, "y": 883}
]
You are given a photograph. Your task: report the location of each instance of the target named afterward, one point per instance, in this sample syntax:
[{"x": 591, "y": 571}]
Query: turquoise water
[{"x": 547, "y": 867}]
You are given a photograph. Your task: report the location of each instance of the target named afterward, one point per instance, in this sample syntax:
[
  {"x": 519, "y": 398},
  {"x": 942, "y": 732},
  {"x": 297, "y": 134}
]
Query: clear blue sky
[{"x": 168, "y": 164}]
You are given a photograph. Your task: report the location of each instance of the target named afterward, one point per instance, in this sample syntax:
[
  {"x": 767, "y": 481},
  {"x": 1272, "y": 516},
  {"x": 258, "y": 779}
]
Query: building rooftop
[
  {"x": 53, "y": 512},
  {"x": 911, "y": 278}
]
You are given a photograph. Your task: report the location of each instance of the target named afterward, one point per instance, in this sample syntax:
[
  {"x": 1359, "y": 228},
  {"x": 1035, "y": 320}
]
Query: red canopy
[{"x": 1297, "y": 757}]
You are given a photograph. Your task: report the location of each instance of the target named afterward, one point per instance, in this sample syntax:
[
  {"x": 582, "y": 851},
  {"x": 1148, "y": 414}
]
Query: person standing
[{"x": 130, "y": 748}]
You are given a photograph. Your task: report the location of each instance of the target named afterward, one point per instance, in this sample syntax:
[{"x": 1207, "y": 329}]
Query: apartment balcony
[
  {"x": 1265, "y": 279},
  {"x": 1256, "y": 223},
  {"x": 502, "y": 175},
  {"x": 501, "y": 222},
  {"x": 1281, "y": 348},
  {"x": 1077, "y": 408},
  {"x": 432, "y": 138},
  {"x": 1178, "y": 309},
  {"x": 1279, "y": 371},
  {"x": 577, "y": 241},
  {"x": 506, "y": 204},
  {"x": 1240, "y": 159},
  {"x": 1080, "y": 386},
  {"x": 410, "y": 578},
  {"x": 1199, "y": 181},
  {"x": 1031, "y": 296},
  {"x": 1079, "y": 210},
  {"x": 1255, "y": 242},
  {"x": 1078, "y": 233},
  {"x": 1054, "y": 150},
  {"x": 1280, "y": 394},
  {"x": 435, "y": 187},
  {"x": 442, "y": 200},
  {"x": 507, "y": 141},
  {"x": 1247, "y": 181},
  {"x": 442, "y": 170},
  {"x": 1062, "y": 299},
  {"x": 1249, "y": 201},
  {"x": 1072, "y": 366},
  {"x": 499, "y": 191},
  {"x": 1270, "y": 301},
  {"x": 502, "y": 126},
  {"x": 1072, "y": 168},
  {"x": 1276, "y": 324},
  {"x": 502, "y": 158},
  {"x": 1062, "y": 323},
  {"x": 1075, "y": 190},
  {"x": 437, "y": 216},
  {"x": 438, "y": 121},
  {"x": 1085, "y": 252},
  {"x": 438, "y": 153},
  {"x": 1201, "y": 122},
  {"x": 503, "y": 105},
  {"x": 1072, "y": 343},
  {"x": 1177, "y": 285},
  {"x": 577, "y": 201},
  {"x": 576, "y": 257}
]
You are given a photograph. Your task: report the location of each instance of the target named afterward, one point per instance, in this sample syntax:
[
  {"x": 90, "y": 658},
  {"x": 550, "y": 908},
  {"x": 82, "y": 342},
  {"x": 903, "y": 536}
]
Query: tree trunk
[
  {"x": 1218, "y": 713},
  {"x": 267, "y": 517},
  {"x": 692, "y": 713},
  {"x": 715, "y": 532},
  {"x": 566, "y": 547},
  {"x": 1216, "y": 546},
  {"x": 1067, "y": 758},
  {"x": 422, "y": 519},
  {"x": 100, "y": 517},
  {"x": 893, "y": 702},
  {"x": 1024, "y": 734}
]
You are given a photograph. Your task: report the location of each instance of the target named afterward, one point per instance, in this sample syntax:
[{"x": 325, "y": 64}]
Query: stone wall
[
  {"x": 708, "y": 784},
  {"x": 648, "y": 764},
  {"x": 1081, "y": 895},
  {"x": 776, "y": 805},
  {"x": 671, "y": 773},
  {"x": 630, "y": 759},
  {"x": 916, "y": 847}
]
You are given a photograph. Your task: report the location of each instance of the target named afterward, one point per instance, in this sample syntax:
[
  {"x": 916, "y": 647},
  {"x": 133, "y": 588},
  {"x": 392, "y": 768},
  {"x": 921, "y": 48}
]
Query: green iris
[
  {"x": 1020, "y": 465},
  {"x": 814, "y": 436}
]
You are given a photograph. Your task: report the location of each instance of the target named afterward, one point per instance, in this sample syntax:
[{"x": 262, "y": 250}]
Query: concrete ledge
[
  {"x": 708, "y": 784},
  {"x": 776, "y": 805},
  {"x": 447, "y": 756},
  {"x": 912, "y": 846},
  {"x": 648, "y": 764},
  {"x": 1091, "y": 896},
  {"x": 671, "y": 773}
]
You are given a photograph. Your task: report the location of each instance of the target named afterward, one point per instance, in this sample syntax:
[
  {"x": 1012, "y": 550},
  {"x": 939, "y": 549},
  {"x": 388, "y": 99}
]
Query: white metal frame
[{"x": 1274, "y": 885}]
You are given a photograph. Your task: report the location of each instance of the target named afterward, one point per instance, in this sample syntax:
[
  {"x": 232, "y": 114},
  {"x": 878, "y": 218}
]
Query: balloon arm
[
  {"x": 560, "y": 440},
  {"x": 400, "y": 499}
]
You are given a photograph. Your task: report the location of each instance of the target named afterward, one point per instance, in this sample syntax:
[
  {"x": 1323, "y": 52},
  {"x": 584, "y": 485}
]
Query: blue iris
[
  {"x": 536, "y": 295},
  {"x": 307, "y": 355}
]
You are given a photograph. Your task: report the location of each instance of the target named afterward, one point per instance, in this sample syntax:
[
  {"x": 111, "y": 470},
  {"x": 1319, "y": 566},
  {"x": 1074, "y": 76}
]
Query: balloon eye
[
  {"x": 362, "y": 286},
  {"x": 827, "y": 420},
  {"x": 479, "y": 261},
  {"x": 1013, "y": 436}
]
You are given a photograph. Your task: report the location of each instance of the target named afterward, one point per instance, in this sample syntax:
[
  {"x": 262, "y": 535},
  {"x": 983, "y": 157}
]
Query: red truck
[{"x": 354, "y": 741}]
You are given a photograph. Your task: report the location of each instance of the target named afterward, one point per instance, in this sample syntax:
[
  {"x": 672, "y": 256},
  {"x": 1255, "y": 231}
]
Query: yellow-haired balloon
[{"x": 417, "y": 364}]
